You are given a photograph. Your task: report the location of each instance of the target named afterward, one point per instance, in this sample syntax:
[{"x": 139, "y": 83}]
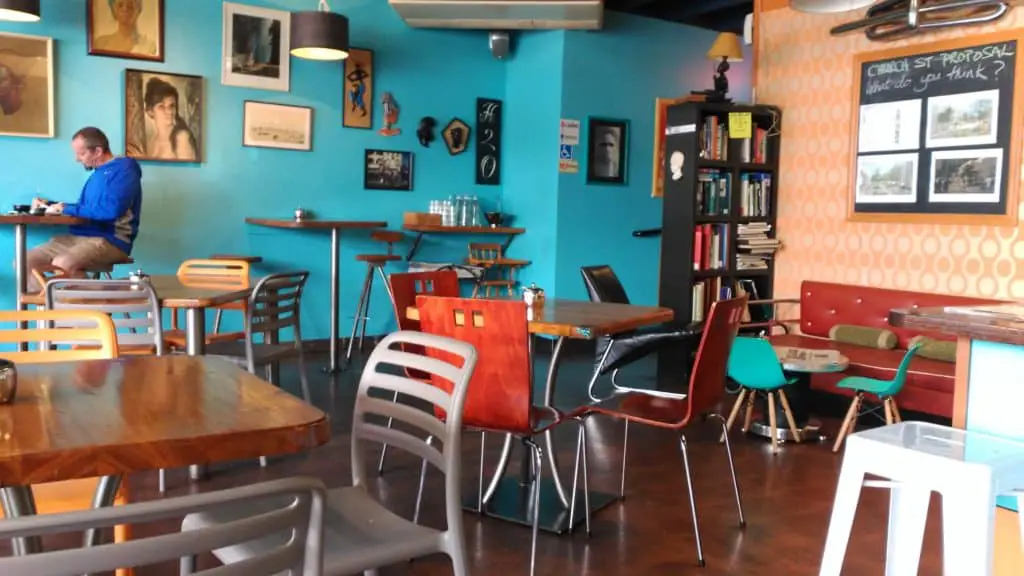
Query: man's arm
[{"x": 120, "y": 191}]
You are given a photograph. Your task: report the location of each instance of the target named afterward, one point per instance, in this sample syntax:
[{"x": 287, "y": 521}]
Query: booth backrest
[{"x": 824, "y": 304}]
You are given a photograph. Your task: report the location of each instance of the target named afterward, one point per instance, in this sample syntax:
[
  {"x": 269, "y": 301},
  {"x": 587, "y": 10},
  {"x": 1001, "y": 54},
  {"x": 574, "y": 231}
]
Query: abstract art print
[
  {"x": 606, "y": 151},
  {"x": 163, "y": 116},
  {"x": 26, "y": 86},
  {"x": 887, "y": 179},
  {"x": 358, "y": 109},
  {"x": 387, "y": 170},
  {"x": 969, "y": 176},
  {"x": 256, "y": 45},
  {"x": 969, "y": 119},
  {"x": 126, "y": 29},
  {"x": 267, "y": 125}
]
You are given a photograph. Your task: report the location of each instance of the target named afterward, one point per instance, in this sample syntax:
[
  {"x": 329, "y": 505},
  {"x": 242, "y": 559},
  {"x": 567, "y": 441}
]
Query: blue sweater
[{"x": 111, "y": 200}]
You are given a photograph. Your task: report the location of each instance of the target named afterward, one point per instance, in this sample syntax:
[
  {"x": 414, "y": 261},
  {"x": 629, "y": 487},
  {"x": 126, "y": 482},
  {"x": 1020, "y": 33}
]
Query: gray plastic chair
[
  {"x": 293, "y": 508},
  {"x": 360, "y": 534},
  {"x": 133, "y": 307}
]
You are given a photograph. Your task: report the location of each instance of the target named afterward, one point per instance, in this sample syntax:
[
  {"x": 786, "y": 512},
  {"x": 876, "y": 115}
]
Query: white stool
[{"x": 969, "y": 469}]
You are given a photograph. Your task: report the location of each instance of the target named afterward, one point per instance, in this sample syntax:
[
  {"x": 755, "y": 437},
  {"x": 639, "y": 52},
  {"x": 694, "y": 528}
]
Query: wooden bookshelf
[{"x": 726, "y": 186}]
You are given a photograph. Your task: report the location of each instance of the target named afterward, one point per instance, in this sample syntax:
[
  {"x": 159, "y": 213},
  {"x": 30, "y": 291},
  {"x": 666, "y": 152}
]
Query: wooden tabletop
[
  {"x": 61, "y": 220},
  {"x": 435, "y": 229},
  {"x": 101, "y": 417},
  {"x": 587, "y": 320},
  {"x": 314, "y": 224},
  {"x": 178, "y": 292},
  {"x": 995, "y": 322}
]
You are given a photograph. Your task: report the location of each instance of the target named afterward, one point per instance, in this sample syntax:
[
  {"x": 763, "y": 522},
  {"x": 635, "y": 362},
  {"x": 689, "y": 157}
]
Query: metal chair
[
  {"x": 133, "y": 307},
  {"x": 360, "y": 534},
  {"x": 675, "y": 411},
  {"x": 295, "y": 507}
]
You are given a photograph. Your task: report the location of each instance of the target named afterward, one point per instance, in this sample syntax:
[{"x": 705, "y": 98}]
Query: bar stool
[
  {"x": 491, "y": 258},
  {"x": 101, "y": 271},
  {"x": 969, "y": 469},
  {"x": 374, "y": 263},
  {"x": 240, "y": 305}
]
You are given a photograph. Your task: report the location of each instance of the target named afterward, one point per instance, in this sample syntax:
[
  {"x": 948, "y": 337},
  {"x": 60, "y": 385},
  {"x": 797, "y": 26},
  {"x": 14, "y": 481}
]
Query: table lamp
[{"x": 727, "y": 47}]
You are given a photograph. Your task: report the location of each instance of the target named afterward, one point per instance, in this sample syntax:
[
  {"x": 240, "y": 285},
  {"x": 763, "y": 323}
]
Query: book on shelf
[
  {"x": 754, "y": 247},
  {"x": 714, "y": 139},
  {"x": 755, "y": 194},
  {"x": 710, "y": 246},
  {"x": 707, "y": 292},
  {"x": 714, "y": 192},
  {"x": 754, "y": 150}
]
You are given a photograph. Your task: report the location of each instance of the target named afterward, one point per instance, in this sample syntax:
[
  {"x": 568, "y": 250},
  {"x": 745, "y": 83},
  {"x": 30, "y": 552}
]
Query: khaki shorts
[{"x": 84, "y": 251}]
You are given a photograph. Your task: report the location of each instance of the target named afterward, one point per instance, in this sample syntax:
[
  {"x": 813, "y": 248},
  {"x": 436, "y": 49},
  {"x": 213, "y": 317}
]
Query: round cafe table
[{"x": 797, "y": 394}]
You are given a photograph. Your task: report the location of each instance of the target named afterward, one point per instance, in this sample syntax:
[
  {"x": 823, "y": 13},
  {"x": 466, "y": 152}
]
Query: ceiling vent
[{"x": 502, "y": 14}]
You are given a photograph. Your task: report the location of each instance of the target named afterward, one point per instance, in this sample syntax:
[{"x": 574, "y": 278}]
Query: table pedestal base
[
  {"x": 511, "y": 501},
  {"x": 811, "y": 432}
]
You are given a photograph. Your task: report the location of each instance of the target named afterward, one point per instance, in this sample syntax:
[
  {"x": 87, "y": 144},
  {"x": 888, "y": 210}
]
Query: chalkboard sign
[
  {"x": 936, "y": 127},
  {"x": 488, "y": 141}
]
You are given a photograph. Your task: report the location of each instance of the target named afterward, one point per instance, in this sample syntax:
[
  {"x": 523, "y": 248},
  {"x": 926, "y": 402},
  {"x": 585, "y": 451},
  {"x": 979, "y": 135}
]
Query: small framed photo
[
  {"x": 887, "y": 179},
  {"x": 126, "y": 28},
  {"x": 267, "y": 125},
  {"x": 969, "y": 176},
  {"x": 26, "y": 86},
  {"x": 606, "y": 151},
  {"x": 256, "y": 45},
  {"x": 387, "y": 170},
  {"x": 163, "y": 116}
]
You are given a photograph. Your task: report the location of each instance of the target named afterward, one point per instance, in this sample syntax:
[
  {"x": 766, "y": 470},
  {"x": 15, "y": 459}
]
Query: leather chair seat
[{"x": 632, "y": 346}]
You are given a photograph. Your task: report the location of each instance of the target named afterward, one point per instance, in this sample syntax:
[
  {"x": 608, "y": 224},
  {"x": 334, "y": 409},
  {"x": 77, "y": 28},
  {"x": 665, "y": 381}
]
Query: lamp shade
[
  {"x": 727, "y": 45},
  {"x": 19, "y": 10},
  {"x": 319, "y": 35}
]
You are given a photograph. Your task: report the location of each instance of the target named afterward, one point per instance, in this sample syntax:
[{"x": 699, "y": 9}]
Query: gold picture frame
[
  {"x": 163, "y": 116},
  {"x": 104, "y": 26},
  {"x": 26, "y": 74}
]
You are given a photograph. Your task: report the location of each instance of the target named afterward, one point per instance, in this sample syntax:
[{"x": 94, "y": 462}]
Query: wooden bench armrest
[{"x": 783, "y": 323}]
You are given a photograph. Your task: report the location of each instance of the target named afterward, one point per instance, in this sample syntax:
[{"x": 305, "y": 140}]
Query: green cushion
[
  {"x": 864, "y": 336},
  {"x": 943, "y": 350}
]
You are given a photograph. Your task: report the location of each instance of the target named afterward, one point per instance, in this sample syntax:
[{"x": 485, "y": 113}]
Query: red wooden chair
[
  {"x": 499, "y": 398},
  {"x": 675, "y": 411},
  {"x": 404, "y": 289}
]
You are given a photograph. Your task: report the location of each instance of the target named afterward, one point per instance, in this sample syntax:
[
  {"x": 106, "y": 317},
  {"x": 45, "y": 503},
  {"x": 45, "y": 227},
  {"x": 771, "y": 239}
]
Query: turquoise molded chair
[
  {"x": 754, "y": 365},
  {"x": 885, "y": 390}
]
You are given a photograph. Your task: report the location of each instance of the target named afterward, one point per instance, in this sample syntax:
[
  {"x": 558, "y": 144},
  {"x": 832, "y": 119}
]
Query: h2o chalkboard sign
[
  {"x": 936, "y": 133},
  {"x": 488, "y": 141}
]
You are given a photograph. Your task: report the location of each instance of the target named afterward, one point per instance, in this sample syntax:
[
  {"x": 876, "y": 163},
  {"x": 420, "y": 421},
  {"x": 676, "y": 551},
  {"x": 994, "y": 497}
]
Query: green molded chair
[
  {"x": 885, "y": 390},
  {"x": 754, "y": 365}
]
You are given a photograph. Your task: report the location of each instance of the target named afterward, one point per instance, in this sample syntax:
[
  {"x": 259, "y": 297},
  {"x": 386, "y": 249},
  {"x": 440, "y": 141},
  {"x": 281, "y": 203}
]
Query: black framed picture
[
  {"x": 387, "y": 170},
  {"x": 606, "y": 150}
]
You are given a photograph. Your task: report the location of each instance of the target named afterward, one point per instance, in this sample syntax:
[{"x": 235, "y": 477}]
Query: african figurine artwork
[
  {"x": 390, "y": 116},
  {"x": 357, "y": 89}
]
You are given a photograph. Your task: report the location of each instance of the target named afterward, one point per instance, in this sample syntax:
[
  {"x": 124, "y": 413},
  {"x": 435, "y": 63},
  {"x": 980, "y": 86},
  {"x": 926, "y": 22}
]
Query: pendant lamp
[
  {"x": 19, "y": 10},
  {"x": 319, "y": 34}
]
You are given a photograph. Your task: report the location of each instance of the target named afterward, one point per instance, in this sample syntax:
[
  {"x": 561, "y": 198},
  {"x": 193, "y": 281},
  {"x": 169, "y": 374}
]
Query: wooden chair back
[
  {"x": 389, "y": 236},
  {"x": 219, "y": 272},
  {"x": 707, "y": 379},
  {"x": 482, "y": 253},
  {"x": 405, "y": 287},
  {"x": 500, "y": 392},
  {"x": 90, "y": 333}
]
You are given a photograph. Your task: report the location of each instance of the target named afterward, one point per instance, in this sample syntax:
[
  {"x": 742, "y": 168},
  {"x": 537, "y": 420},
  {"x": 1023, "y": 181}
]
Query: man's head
[
  {"x": 125, "y": 12},
  {"x": 91, "y": 147}
]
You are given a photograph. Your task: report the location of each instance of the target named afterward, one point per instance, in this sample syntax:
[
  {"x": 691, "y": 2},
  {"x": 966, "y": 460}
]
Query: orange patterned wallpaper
[{"x": 809, "y": 73}]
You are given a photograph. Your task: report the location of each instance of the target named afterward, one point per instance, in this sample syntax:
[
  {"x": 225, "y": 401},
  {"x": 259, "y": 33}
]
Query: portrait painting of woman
[
  {"x": 126, "y": 28},
  {"x": 163, "y": 116}
]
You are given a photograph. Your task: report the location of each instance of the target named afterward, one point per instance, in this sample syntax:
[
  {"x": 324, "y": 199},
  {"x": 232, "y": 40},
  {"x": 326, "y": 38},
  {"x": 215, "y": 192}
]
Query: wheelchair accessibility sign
[{"x": 567, "y": 163}]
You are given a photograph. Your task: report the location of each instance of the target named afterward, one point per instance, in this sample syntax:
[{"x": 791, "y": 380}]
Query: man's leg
[
  {"x": 40, "y": 259},
  {"x": 85, "y": 253}
]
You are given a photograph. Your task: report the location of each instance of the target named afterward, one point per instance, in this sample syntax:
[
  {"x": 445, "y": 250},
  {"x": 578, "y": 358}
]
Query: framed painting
[
  {"x": 606, "y": 151},
  {"x": 126, "y": 28},
  {"x": 163, "y": 116},
  {"x": 267, "y": 125},
  {"x": 26, "y": 86},
  {"x": 387, "y": 170},
  {"x": 255, "y": 49},
  {"x": 358, "y": 109}
]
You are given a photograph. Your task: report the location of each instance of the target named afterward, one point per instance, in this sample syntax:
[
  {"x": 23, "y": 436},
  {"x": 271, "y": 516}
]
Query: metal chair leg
[
  {"x": 358, "y": 315},
  {"x": 384, "y": 448},
  {"x": 581, "y": 456},
  {"x": 162, "y": 480},
  {"x": 423, "y": 480},
  {"x": 625, "y": 446},
  {"x": 366, "y": 308},
  {"x": 216, "y": 321},
  {"x": 693, "y": 501},
  {"x": 732, "y": 467},
  {"x": 538, "y": 462},
  {"x": 480, "y": 478}
]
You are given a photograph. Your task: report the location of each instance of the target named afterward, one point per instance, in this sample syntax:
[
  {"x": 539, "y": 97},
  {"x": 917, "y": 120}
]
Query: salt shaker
[{"x": 8, "y": 381}]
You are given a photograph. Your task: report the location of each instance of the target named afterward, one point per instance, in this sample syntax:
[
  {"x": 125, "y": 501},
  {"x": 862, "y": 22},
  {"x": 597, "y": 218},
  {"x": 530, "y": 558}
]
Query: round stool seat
[
  {"x": 378, "y": 258},
  {"x": 249, "y": 259},
  {"x": 110, "y": 267}
]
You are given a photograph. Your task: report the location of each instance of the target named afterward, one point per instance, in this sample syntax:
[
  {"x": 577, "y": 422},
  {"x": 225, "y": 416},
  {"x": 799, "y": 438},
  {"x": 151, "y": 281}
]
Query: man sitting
[{"x": 110, "y": 202}]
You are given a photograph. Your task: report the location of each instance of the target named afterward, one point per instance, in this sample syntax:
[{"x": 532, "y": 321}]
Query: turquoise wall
[
  {"x": 195, "y": 210},
  {"x": 618, "y": 74}
]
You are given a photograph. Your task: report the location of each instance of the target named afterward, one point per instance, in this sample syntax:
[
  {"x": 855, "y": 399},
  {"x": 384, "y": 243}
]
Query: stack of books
[{"x": 754, "y": 246}]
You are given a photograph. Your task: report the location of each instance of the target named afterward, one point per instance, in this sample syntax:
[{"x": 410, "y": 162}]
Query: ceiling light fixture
[
  {"x": 319, "y": 34},
  {"x": 828, "y": 6},
  {"x": 19, "y": 10}
]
